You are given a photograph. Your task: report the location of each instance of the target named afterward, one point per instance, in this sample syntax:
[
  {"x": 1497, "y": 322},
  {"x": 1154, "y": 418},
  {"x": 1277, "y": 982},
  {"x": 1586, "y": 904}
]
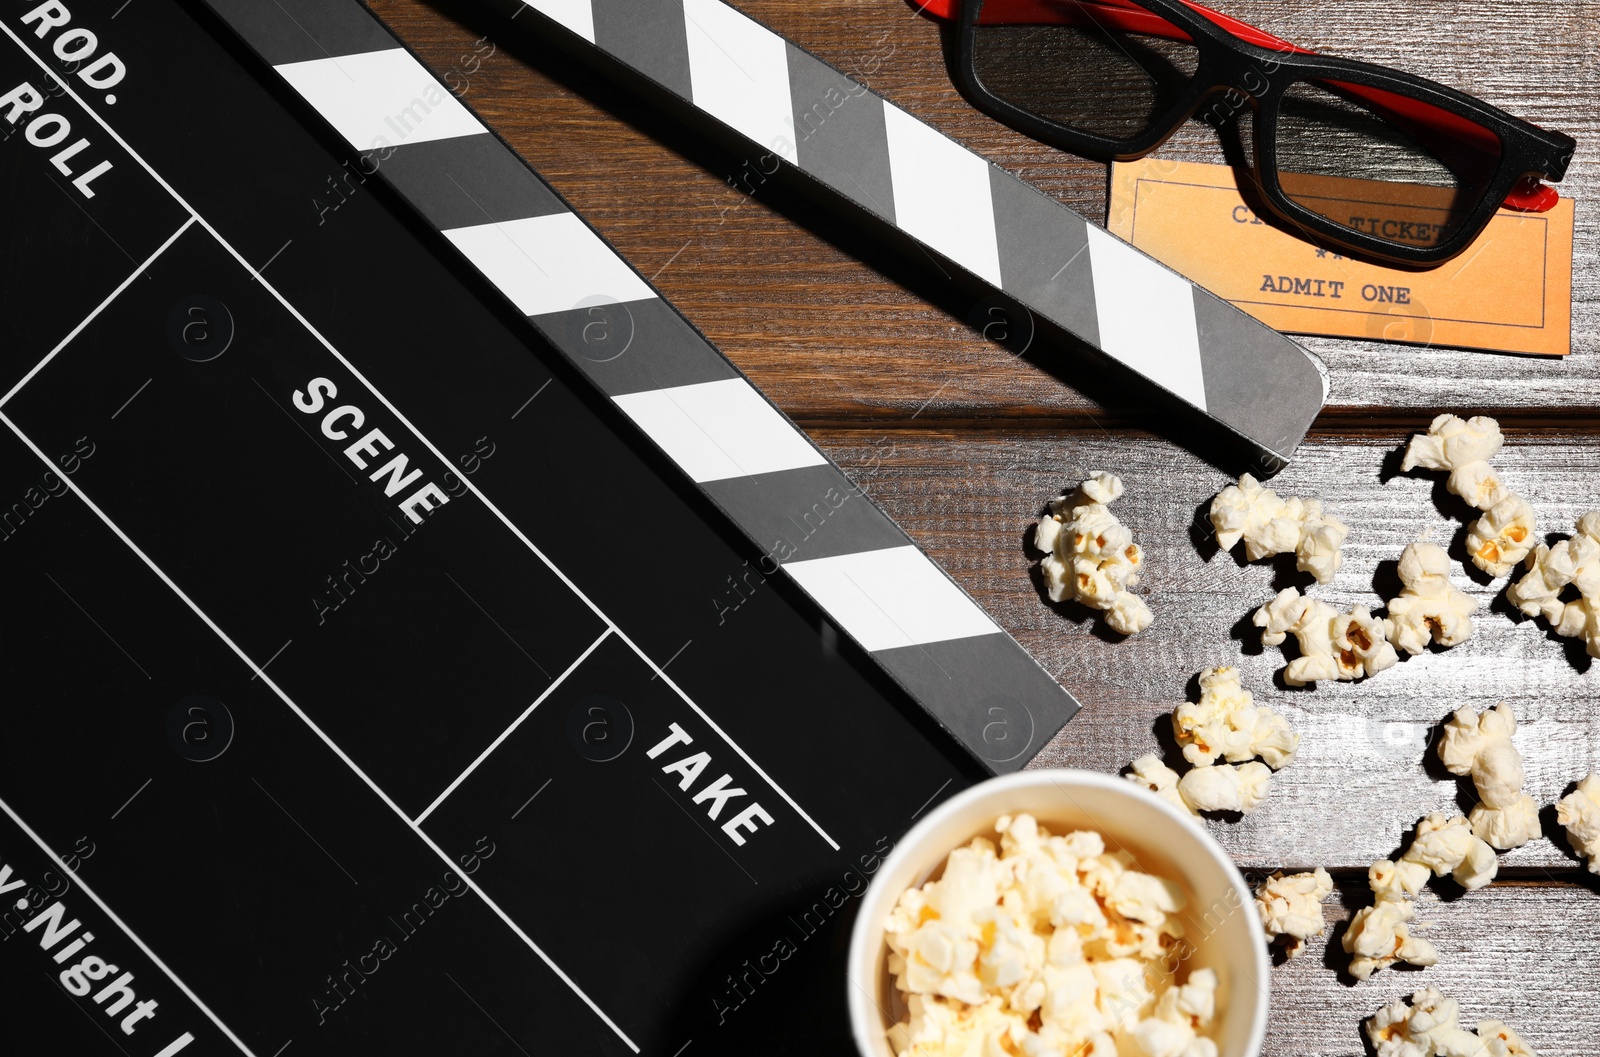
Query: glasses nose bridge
[{"x": 1236, "y": 73}]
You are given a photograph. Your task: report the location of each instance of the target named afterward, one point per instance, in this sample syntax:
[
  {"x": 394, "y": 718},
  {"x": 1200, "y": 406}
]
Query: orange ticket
[{"x": 1511, "y": 291}]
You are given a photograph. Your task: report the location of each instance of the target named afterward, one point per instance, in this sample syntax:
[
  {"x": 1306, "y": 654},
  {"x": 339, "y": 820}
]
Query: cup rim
[{"x": 866, "y": 1024}]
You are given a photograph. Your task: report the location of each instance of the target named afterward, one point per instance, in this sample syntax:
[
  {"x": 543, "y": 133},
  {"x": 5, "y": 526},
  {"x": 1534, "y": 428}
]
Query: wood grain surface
[{"x": 964, "y": 442}]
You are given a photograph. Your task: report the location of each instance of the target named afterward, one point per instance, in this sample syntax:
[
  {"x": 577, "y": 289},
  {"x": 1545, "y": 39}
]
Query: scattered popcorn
[
  {"x": 1333, "y": 645},
  {"x": 1481, "y": 746},
  {"x": 1224, "y": 787},
  {"x": 1581, "y": 620},
  {"x": 1269, "y": 524},
  {"x": 1291, "y": 907},
  {"x": 1447, "y": 845},
  {"x": 1396, "y": 881},
  {"x": 1429, "y": 1026},
  {"x": 1579, "y": 813},
  {"x": 1503, "y": 536},
  {"x": 1226, "y": 723},
  {"x": 1501, "y": 1041},
  {"x": 1240, "y": 787},
  {"x": 1378, "y": 936},
  {"x": 1046, "y": 945},
  {"x": 1361, "y": 645},
  {"x": 1500, "y": 539},
  {"x": 1463, "y": 447},
  {"x": 1462, "y": 847},
  {"x": 1479, "y": 866},
  {"x": 1508, "y": 827},
  {"x": 1150, "y": 772},
  {"x": 1090, "y": 556},
  {"x": 1571, "y": 563},
  {"x": 1430, "y": 608}
]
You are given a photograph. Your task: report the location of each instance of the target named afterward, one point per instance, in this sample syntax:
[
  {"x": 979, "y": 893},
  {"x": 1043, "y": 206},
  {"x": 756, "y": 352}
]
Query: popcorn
[
  {"x": 1571, "y": 563},
  {"x": 1271, "y": 525},
  {"x": 1429, "y": 1026},
  {"x": 1090, "y": 556},
  {"x": 1150, "y": 772},
  {"x": 1507, "y": 827},
  {"x": 1396, "y": 881},
  {"x": 1224, "y": 787},
  {"x": 1333, "y": 645},
  {"x": 1047, "y": 945},
  {"x": 937, "y": 1028},
  {"x": 1462, "y": 847},
  {"x": 1550, "y": 571},
  {"x": 1500, "y": 539},
  {"x": 1240, "y": 787},
  {"x": 1291, "y": 907},
  {"x": 1503, "y": 536},
  {"x": 1181, "y": 1013},
  {"x": 1361, "y": 645},
  {"x": 1467, "y": 733},
  {"x": 1581, "y": 619},
  {"x": 1501, "y": 1041},
  {"x": 1226, "y": 723},
  {"x": 1430, "y": 607},
  {"x": 1481, "y": 746},
  {"x": 1379, "y": 935},
  {"x": 1464, "y": 447},
  {"x": 1448, "y": 845},
  {"x": 1145, "y": 897},
  {"x": 1579, "y": 813},
  {"x": 1479, "y": 866}
]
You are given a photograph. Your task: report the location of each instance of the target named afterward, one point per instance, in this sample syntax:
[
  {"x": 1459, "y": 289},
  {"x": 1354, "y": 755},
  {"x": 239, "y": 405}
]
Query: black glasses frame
[{"x": 1227, "y": 64}]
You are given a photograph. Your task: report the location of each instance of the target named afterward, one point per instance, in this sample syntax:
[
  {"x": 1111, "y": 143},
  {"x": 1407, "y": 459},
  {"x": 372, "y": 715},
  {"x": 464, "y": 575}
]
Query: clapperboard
[{"x": 424, "y": 641}]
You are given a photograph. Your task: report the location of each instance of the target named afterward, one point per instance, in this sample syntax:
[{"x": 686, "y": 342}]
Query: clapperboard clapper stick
[
  {"x": 786, "y": 109},
  {"x": 738, "y": 448}
]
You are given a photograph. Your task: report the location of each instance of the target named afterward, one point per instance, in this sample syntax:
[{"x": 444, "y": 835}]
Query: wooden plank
[
  {"x": 835, "y": 328},
  {"x": 1359, "y": 780},
  {"x": 1519, "y": 953}
]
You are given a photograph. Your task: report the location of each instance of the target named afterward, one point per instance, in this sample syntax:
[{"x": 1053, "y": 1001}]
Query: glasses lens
[
  {"x": 1423, "y": 170},
  {"x": 1110, "y": 71}
]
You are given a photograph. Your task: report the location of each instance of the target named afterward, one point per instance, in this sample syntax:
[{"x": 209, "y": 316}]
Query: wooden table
[{"x": 963, "y": 442}]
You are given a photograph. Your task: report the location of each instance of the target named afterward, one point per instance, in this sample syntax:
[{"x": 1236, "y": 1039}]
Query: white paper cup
[{"x": 1220, "y": 919}]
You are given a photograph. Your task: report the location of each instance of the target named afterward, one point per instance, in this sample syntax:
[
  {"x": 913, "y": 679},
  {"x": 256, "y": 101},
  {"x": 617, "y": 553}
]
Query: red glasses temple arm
[{"x": 1530, "y": 195}]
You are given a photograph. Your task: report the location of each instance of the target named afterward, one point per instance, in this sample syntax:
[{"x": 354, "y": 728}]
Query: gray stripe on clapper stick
[
  {"x": 284, "y": 31},
  {"x": 648, "y": 35},
  {"x": 634, "y": 346},
  {"x": 986, "y": 691},
  {"x": 815, "y": 510},
  {"x": 839, "y": 133},
  {"x": 1044, "y": 255},
  {"x": 468, "y": 180},
  {"x": 1257, "y": 381}
]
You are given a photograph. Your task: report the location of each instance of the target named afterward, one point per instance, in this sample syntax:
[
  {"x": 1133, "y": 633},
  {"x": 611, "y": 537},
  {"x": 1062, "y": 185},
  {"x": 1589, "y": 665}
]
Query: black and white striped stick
[{"x": 785, "y": 105}]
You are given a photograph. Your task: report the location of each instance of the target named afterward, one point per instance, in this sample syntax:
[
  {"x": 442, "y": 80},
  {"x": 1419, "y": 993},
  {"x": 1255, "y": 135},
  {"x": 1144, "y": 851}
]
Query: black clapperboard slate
[{"x": 386, "y": 671}]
